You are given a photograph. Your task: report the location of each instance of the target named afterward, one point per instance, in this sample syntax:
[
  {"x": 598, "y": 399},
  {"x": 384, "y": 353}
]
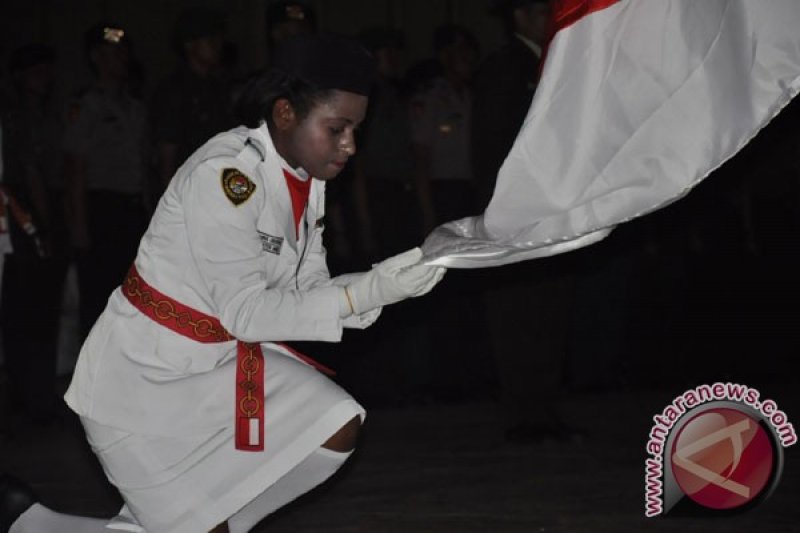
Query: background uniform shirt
[
  {"x": 188, "y": 110},
  {"x": 384, "y": 150},
  {"x": 440, "y": 120},
  {"x": 109, "y": 131}
]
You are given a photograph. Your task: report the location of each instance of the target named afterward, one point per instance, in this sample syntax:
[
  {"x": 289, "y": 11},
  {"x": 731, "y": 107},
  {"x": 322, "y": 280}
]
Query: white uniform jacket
[{"x": 237, "y": 258}]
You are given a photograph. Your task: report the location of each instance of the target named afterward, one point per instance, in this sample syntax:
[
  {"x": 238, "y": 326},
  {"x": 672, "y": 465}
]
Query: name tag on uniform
[{"x": 270, "y": 243}]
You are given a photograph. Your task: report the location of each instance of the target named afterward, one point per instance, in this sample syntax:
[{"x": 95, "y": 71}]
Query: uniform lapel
[{"x": 275, "y": 186}]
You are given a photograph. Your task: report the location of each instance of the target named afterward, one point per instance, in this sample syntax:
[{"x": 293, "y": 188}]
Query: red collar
[{"x": 298, "y": 191}]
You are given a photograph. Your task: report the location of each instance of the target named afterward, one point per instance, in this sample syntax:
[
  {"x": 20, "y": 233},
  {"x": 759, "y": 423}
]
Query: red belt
[{"x": 203, "y": 328}]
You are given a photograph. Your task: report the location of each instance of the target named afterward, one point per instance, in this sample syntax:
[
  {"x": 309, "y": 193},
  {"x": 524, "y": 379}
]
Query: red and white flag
[{"x": 638, "y": 102}]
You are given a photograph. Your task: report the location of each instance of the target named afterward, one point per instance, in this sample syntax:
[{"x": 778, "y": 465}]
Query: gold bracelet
[{"x": 349, "y": 301}]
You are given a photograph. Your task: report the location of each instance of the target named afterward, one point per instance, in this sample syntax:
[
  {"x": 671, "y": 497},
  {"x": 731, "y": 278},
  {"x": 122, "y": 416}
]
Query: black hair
[
  {"x": 259, "y": 93},
  {"x": 98, "y": 35}
]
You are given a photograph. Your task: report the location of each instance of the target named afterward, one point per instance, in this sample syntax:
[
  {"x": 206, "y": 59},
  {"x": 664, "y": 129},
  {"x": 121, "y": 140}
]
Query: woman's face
[{"x": 324, "y": 140}]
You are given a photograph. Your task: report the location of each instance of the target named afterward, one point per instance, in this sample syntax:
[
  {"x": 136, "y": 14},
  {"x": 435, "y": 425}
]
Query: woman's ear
[{"x": 283, "y": 114}]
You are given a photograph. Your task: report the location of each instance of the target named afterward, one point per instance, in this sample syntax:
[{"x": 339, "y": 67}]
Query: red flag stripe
[
  {"x": 565, "y": 13},
  {"x": 568, "y": 12}
]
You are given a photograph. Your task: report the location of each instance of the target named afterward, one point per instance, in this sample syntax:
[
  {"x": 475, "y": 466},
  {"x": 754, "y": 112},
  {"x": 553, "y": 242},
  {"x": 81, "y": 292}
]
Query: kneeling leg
[{"x": 312, "y": 471}]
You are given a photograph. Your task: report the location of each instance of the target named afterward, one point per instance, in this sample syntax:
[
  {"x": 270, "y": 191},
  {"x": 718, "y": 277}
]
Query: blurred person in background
[
  {"x": 395, "y": 368},
  {"x": 285, "y": 19},
  {"x": 195, "y": 101},
  {"x": 529, "y": 304},
  {"x": 35, "y": 270},
  {"x": 385, "y": 189},
  {"x": 441, "y": 120},
  {"x": 107, "y": 156}
]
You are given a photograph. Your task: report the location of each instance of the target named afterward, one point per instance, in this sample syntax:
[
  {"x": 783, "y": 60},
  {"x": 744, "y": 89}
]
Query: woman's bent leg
[{"x": 312, "y": 471}]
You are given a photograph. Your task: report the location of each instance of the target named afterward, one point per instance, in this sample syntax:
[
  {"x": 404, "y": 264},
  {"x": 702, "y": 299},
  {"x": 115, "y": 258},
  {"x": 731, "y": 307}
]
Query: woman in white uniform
[{"x": 199, "y": 416}]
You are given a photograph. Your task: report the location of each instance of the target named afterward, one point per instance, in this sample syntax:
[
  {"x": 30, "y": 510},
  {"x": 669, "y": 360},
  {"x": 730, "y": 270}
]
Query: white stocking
[
  {"x": 40, "y": 519},
  {"x": 312, "y": 471}
]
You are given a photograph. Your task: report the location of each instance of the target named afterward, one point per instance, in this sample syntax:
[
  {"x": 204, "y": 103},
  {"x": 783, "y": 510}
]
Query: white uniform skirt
[{"x": 191, "y": 484}]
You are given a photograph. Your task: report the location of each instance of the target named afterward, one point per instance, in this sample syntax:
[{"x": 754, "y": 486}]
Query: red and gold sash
[{"x": 204, "y": 328}]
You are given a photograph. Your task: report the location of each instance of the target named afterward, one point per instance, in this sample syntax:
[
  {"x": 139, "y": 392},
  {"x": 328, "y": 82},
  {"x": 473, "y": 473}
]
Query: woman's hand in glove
[{"x": 391, "y": 281}]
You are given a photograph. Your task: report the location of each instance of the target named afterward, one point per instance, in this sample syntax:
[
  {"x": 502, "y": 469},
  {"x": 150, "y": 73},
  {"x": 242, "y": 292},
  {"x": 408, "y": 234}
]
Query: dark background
[{"x": 62, "y": 23}]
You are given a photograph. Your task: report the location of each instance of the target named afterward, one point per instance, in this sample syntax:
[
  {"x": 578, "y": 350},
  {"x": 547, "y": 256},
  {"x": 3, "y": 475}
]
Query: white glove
[
  {"x": 392, "y": 280},
  {"x": 349, "y": 319},
  {"x": 362, "y": 321}
]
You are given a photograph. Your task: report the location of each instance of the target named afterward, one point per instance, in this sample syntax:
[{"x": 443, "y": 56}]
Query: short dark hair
[{"x": 257, "y": 97}]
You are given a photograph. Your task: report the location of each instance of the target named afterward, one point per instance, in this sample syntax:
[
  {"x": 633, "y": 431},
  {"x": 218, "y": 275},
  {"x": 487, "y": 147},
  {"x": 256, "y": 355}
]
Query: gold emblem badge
[{"x": 238, "y": 187}]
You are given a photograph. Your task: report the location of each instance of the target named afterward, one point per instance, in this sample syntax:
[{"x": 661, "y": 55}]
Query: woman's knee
[{"x": 345, "y": 439}]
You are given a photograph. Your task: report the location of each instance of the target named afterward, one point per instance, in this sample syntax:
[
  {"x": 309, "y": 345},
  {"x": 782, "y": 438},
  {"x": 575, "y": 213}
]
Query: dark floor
[{"x": 446, "y": 468}]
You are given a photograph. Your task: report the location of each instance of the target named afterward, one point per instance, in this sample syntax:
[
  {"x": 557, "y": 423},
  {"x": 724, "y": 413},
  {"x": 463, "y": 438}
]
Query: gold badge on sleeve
[{"x": 238, "y": 187}]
